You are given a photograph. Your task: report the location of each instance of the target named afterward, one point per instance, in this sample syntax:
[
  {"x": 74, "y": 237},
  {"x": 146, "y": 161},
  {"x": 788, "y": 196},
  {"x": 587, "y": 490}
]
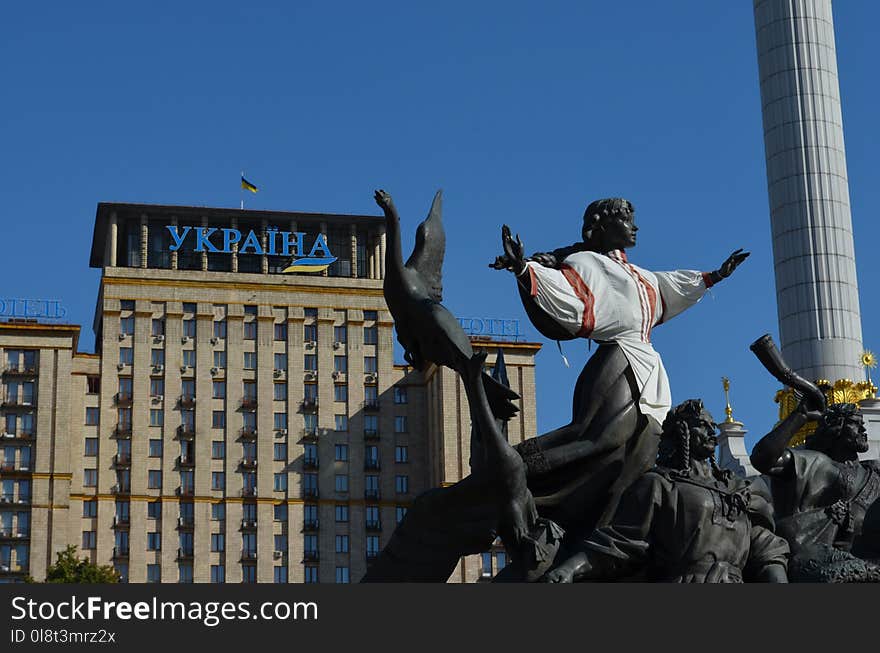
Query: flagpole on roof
[{"x": 241, "y": 191}]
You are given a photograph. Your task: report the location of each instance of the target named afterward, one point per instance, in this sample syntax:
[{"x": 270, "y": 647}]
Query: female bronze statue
[{"x": 590, "y": 290}]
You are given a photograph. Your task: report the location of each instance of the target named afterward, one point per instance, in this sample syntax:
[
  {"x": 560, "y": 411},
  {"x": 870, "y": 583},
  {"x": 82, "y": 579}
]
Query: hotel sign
[
  {"x": 490, "y": 327},
  {"x": 216, "y": 240},
  {"x": 39, "y": 309}
]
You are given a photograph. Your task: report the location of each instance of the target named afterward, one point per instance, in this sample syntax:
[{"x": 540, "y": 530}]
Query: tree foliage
[{"x": 69, "y": 568}]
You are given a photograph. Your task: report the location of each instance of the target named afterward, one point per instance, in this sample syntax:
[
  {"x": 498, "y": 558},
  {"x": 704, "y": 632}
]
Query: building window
[
  {"x": 279, "y": 391},
  {"x": 155, "y": 448},
  {"x": 250, "y": 309},
  {"x": 154, "y": 573},
  {"x": 189, "y": 357},
  {"x": 281, "y": 362},
  {"x": 248, "y": 573},
  {"x": 126, "y": 355},
  {"x": 185, "y": 573},
  {"x": 220, "y": 360},
  {"x": 341, "y": 452},
  {"x": 371, "y": 424},
  {"x": 310, "y": 363},
  {"x": 92, "y": 416},
  {"x": 341, "y": 513},
  {"x": 157, "y": 417},
  {"x": 157, "y": 357},
  {"x": 401, "y": 484},
  {"x": 126, "y": 325},
  {"x": 90, "y": 477},
  {"x": 249, "y": 389},
  {"x": 342, "y": 544},
  {"x": 157, "y": 387},
  {"x": 340, "y": 392},
  {"x": 371, "y": 514},
  {"x": 281, "y": 331},
  {"x": 401, "y": 454},
  {"x": 486, "y": 564},
  {"x": 342, "y": 575},
  {"x": 280, "y": 482},
  {"x": 371, "y": 335},
  {"x": 89, "y": 540},
  {"x": 340, "y": 364},
  {"x": 372, "y": 546},
  {"x": 400, "y": 394},
  {"x": 371, "y": 316},
  {"x": 400, "y": 425},
  {"x": 157, "y": 327},
  {"x": 91, "y": 447},
  {"x": 90, "y": 508},
  {"x": 218, "y": 542},
  {"x": 279, "y": 421},
  {"x": 188, "y": 388},
  {"x": 93, "y": 385},
  {"x": 154, "y": 510},
  {"x": 371, "y": 454},
  {"x": 154, "y": 541},
  {"x": 218, "y": 574},
  {"x": 311, "y": 574},
  {"x": 370, "y": 365},
  {"x": 400, "y": 513},
  {"x": 310, "y": 333},
  {"x": 219, "y": 389},
  {"x": 154, "y": 479},
  {"x": 218, "y": 511},
  {"x": 340, "y": 333},
  {"x": 280, "y": 451},
  {"x": 280, "y": 574},
  {"x": 341, "y": 483},
  {"x": 371, "y": 395},
  {"x": 250, "y": 330},
  {"x": 250, "y": 360},
  {"x": 341, "y": 423},
  {"x": 218, "y": 480},
  {"x": 281, "y": 543},
  {"x": 220, "y": 329},
  {"x": 280, "y": 512},
  {"x": 126, "y": 304},
  {"x": 218, "y": 419},
  {"x": 189, "y": 328}
]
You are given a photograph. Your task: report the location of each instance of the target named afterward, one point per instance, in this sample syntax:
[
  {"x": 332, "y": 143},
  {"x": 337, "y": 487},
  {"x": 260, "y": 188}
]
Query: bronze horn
[{"x": 765, "y": 349}]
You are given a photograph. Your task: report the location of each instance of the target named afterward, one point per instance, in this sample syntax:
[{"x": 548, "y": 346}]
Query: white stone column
[
  {"x": 816, "y": 287},
  {"x": 113, "y": 246}
]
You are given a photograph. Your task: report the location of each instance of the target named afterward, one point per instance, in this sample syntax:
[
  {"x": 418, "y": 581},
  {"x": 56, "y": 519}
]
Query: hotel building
[{"x": 236, "y": 424}]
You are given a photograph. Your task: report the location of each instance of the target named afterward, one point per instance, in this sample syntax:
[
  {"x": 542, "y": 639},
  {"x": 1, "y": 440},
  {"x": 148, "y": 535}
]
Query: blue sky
[{"x": 522, "y": 112}]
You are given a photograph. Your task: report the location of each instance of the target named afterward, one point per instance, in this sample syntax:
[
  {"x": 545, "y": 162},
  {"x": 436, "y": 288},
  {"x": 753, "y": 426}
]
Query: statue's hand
[
  {"x": 383, "y": 199},
  {"x": 513, "y": 258},
  {"x": 562, "y": 574},
  {"x": 732, "y": 263},
  {"x": 806, "y": 408},
  {"x": 547, "y": 259}
]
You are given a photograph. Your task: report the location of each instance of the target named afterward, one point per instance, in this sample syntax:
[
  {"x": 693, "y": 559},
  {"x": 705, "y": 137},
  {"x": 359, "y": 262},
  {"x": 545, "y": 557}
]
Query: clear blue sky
[{"x": 522, "y": 112}]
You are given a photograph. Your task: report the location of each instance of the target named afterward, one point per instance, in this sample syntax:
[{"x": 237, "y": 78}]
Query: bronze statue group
[{"x": 629, "y": 489}]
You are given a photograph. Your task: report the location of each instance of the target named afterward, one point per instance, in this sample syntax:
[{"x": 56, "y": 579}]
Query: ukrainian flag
[{"x": 248, "y": 185}]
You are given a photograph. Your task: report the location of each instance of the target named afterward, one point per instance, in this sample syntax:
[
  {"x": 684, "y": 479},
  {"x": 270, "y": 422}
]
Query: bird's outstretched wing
[{"x": 427, "y": 255}]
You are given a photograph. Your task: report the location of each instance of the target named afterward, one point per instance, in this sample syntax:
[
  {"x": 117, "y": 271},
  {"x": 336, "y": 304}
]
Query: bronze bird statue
[{"x": 427, "y": 330}]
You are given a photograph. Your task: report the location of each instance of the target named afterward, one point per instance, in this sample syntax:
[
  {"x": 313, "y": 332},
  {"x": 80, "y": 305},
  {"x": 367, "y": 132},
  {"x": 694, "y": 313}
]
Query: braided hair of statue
[
  {"x": 598, "y": 211},
  {"x": 675, "y": 445}
]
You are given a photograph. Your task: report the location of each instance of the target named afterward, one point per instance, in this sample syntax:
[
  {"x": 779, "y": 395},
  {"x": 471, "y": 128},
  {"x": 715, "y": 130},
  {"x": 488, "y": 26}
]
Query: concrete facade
[
  {"x": 816, "y": 286},
  {"x": 236, "y": 424}
]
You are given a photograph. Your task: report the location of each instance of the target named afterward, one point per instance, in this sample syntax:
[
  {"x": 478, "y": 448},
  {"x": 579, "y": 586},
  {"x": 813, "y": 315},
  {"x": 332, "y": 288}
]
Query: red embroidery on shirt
[
  {"x": 707, "y": 279},
  {"x": 583, "y": 293}
]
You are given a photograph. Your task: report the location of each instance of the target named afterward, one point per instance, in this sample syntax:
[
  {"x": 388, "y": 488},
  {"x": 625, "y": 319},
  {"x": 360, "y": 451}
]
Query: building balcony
[
  {"x": 186, "y": 432},
  {"x": 119, "y": 489},
  {"x": 121, "y": 523},
  {"x": 186, "y": 401},
  {"x": 122, "y": 460},
  {"x": 248, "y": 463},
  {"x": 371, "y": 405},
  {"x": 19, "y": 372},
  {"x": 19, "y": 435},
  {"x": 310, "y": 435},
  {"x": 248, "y": 554},
  {"x": 373, "y": 525},
  {"x": 10, "y": 500},
  {"x": 184, "y": 554},
  {"x": 185, "y": 462},
  {"x": 310, "y": 463},
  {"x": 371, "y": 494},
  {"x": 311, "y": 556},
  {"x": 310, "y": 524},
  {"x": 122, "y": 431},
  {"x": 249, "y": 491},
  {"x": 122, "y": 399},
  {"x": 120, "y": 553},
  {"x": 186, "y": 491},
  {"x": 18, "y": 402},
  {"x": 371, "y": 434},
  {"x": 248, "y": 433},
  {"x": 248, "y": 403},
  {"x": 248, "y": 524},
  {"x": 309, "y": 404},
  {"x": 186, "y": 523},
  {"x": 371, "y": 464},
  {"x": 310, "y": 492}
]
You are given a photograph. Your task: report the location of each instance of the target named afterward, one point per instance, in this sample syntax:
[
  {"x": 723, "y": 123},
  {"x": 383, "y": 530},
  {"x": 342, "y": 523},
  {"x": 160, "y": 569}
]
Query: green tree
[{"x": 68, "y": 568}]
